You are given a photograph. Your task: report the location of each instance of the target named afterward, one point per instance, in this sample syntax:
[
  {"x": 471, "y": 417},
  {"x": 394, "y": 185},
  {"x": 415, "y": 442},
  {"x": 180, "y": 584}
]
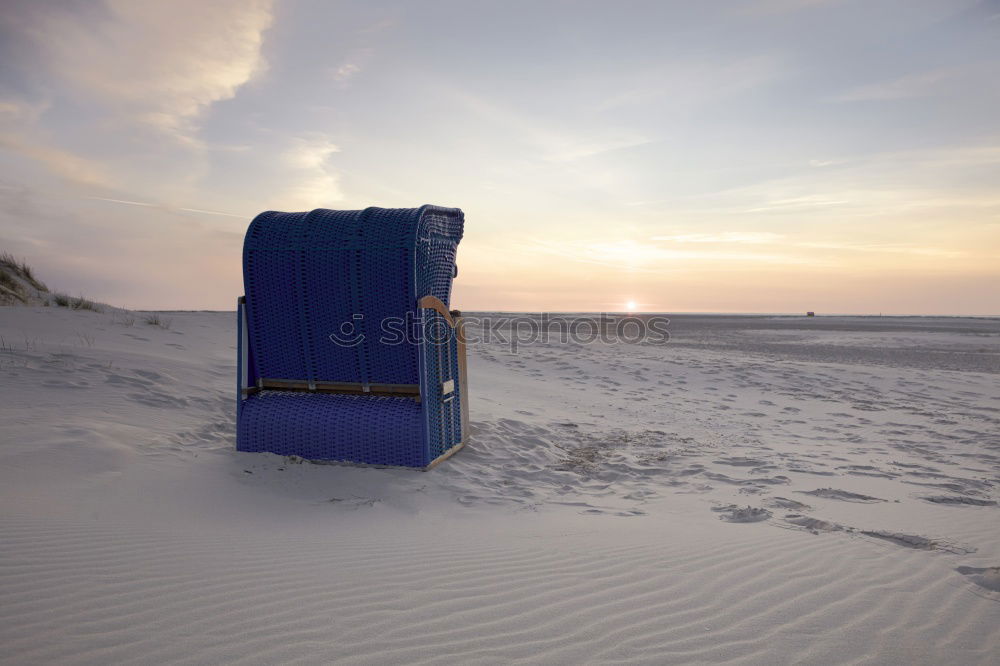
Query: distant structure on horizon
[{"x": 810, "y": 314}]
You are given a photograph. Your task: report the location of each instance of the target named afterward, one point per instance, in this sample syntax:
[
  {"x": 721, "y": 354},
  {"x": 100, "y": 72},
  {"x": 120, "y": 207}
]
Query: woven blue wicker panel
[
  {"x": 439, "y": 234},
  {"x": 332, "y": 284},
  {"x": 322, "y": 426},
  {"x": 273, "y": 283}
]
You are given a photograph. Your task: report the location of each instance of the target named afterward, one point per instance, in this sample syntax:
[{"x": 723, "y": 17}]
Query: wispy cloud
[
  {"x": 123, "y": 201},
  {"x": 354, "y": 62},
  {"x": 63, "y": 163},
  {"x": 20, "y": 112},
  {"x": 767, "y": 7},
  {"x": 166, "y": 207},
  {"x": 691, "y": 83},
  {"x": 310, "y": 152},
  {"x": 345, "y": 72},
  {"x": 551, "y": 144},
  {"x": 315, "y": 181},
  {"x": 797, "y": 245},
  {"x": 743, "y": 237},
  {"x": 798, "y": 203},
  {"x": 819, "y": 164},
  {"x": 912, "y": 85},
  {"x": 883, "y": 248},
  {"x": 162, "y": 63},
  {"x": 939, "y": 81},
  {"x": 212, "y": 212},
  {"x": 636, "y": 256}
]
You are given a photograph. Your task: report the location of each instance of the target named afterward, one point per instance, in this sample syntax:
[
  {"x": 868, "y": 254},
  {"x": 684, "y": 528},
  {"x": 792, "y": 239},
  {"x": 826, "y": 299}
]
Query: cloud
[
  {"x": 165, "y": 207},
  {"x": 890, "y": 185},
  {"x": 318, "y": 191},
  {"x": 769, "y": 251},
  {"x": 345, "y": 72},
  {"x": 99, "y": 86},
  {"x": 746, "y": 237},
  {"x": 352, "y": 65},
  {"x": 799, "y": 203},
  {"x": 125, "y": 202},
  {"x": 635, "y": 256},
  {"x": 912, "y": 85},
  {"x": 212, "y": 212},
  {"x": 692, "y": 83},
  {"x": 548, "y": 144},
  {"x": 63, "y": 163},
  {"x": 782, "y": 6},
  {"x": 18, "y": 120},
  {"x": 940, "y": 81},
  {"x": 160, "y": 63},
  {"x": 884, "y": 249},
  {"x": 316, "y": 183},
  {"x": 983, "y": 155},
  {"x": 19, "y": 112},
  {"x": 310, "y": 153},
  {"x": 769, "y": 238}
]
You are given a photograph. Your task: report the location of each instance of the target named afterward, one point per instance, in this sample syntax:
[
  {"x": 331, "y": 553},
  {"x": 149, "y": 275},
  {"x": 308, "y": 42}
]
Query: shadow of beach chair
[{"x": 347, "y": 350}]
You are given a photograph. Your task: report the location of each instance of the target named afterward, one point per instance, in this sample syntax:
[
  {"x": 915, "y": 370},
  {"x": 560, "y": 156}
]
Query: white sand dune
[{"x": 759, "y": 490}]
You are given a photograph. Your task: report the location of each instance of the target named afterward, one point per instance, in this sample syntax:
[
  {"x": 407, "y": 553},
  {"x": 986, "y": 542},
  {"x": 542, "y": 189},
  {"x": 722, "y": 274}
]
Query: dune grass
[
  {"x": 154, "y": 319},
  {"x": 9, "y": 284},
  {"x": 77, "y": 303},
  {"x": 10, "y": 266},
  {"x": 17, "y": 280}
]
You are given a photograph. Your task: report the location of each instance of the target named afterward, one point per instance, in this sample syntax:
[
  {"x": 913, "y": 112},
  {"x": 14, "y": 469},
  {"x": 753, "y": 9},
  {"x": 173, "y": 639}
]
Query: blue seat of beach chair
[{"x": 347, "y": 350}]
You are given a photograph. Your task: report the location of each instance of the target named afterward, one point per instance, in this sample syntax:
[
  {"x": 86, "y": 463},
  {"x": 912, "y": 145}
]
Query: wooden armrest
[{"x": 434, "y": 303}]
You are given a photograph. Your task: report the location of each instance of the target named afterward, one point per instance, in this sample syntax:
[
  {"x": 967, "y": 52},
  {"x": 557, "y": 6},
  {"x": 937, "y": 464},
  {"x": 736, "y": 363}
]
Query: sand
[{"x": 759, "y": 489}]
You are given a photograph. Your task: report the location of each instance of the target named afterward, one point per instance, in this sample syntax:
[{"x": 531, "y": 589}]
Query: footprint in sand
[
  {"x": 985, "y": 577},
  {"x": 740, "y": 461},
  {"x": 115, "y": 378},
  {"x": 843, "y": 495},
  {"x": 157, "y": 399},
  {"x": 808, "y": 470},
  {"x": 354, "y": 502},
  {"x": 867, "y": 470},
  {"x": 785, "y": 503},
  {"x": 917, "y": 542},
  {"x": 814, "y": 525},
  {"x": 958, "y": 500},
  {"x": 738, "y": 514},
  {"x": 57, "y": 383}
]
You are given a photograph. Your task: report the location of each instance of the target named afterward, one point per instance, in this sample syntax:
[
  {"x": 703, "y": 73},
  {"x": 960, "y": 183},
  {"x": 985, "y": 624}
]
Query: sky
[{"x": 756, "y": 156}]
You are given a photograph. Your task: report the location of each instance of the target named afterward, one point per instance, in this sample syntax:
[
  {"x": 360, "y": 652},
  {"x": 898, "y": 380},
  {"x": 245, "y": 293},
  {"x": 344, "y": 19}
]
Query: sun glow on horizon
[{"x": 630, "y": 306}]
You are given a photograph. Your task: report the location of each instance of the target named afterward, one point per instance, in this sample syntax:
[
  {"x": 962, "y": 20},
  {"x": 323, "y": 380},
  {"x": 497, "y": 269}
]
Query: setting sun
[{"x": 630, "y": 306}]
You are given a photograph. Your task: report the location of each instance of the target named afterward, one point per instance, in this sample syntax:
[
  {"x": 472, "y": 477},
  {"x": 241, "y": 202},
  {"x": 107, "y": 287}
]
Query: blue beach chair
[{"x": 347, "y": 350}]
